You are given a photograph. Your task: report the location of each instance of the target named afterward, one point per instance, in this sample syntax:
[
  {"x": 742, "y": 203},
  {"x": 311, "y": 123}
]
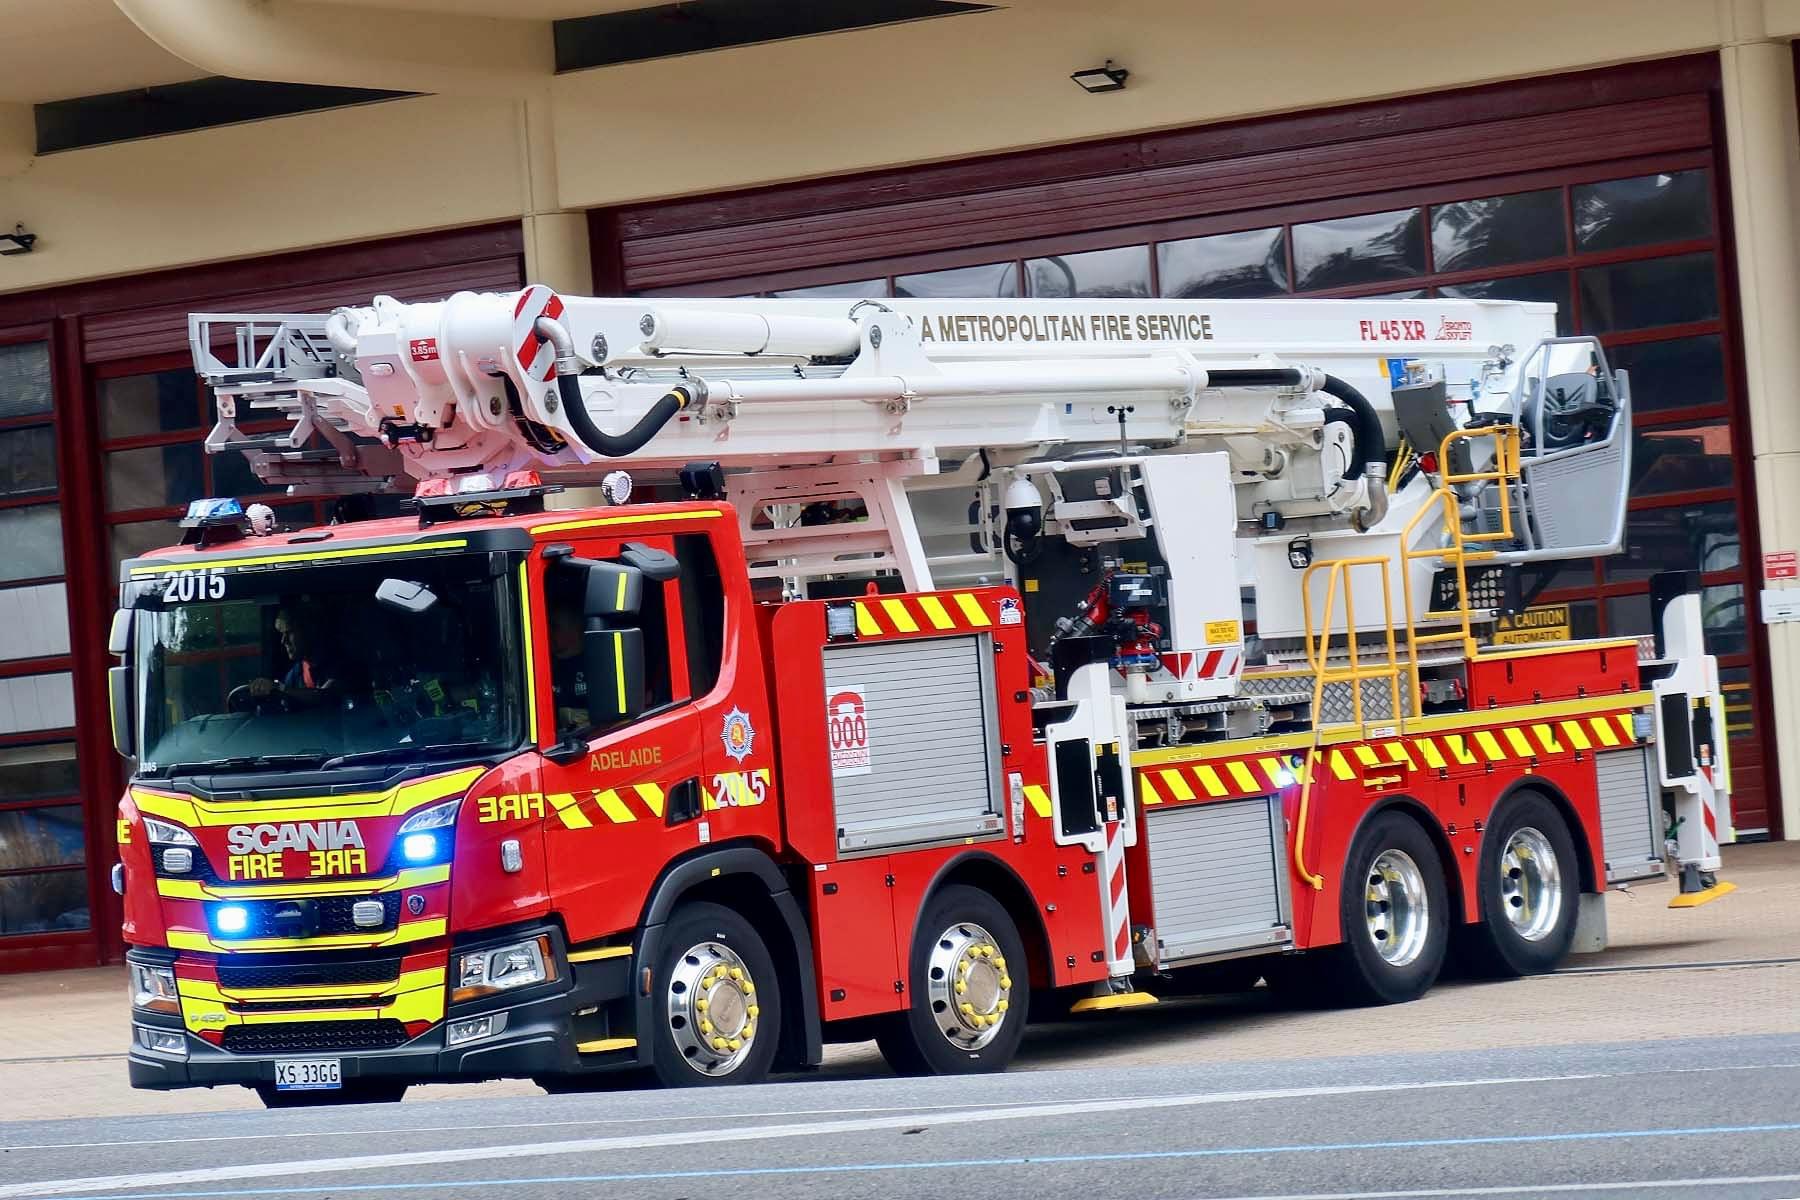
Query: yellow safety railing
[{"x": 1503, "y": 472}]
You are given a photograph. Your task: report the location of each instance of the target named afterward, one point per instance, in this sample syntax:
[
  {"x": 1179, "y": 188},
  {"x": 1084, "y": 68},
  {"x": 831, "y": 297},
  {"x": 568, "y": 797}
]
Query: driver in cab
[{"x": 307, "y": 677}]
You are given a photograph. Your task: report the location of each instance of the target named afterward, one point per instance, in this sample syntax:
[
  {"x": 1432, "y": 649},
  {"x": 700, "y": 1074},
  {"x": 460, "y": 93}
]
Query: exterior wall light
[
  {"x": 17, "y": 242},
  {"x": 1106, "y": 78}
]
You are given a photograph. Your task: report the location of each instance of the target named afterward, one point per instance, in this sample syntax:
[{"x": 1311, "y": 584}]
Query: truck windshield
[{"x": 326, "y": 666}]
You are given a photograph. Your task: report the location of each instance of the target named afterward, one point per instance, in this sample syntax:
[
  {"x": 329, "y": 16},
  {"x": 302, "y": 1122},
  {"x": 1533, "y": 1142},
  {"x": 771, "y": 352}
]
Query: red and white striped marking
[
  {"x": 1213, "y": 664},
  {"x": 536, "y": 358},
  {"x": 1115, "y": 901}
]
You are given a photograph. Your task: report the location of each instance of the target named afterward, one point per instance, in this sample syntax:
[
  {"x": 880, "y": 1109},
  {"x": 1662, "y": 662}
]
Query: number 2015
[{"x": 194, "y": 585}]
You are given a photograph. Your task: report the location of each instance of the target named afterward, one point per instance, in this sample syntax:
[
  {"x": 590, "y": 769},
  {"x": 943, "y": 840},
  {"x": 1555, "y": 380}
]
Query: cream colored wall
[{"x": 225, "y": 193}]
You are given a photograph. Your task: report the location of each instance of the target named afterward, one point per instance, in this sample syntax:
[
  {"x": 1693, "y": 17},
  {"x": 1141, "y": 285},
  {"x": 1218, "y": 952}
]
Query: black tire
[
  {"x": 354, "y": 1091},
  {"x": 1361, "y": 970},
  {"x": 699, "y": 940},
  {"x": 1546, "y": 909},
  {"x": 963, "y": 936}
]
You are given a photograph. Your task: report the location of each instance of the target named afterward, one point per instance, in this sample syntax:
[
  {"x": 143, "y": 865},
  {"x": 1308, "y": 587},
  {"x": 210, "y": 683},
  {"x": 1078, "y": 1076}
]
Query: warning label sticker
[
  {"x": 1549, "y": 623},
  {"x": 847, "y": 729}
]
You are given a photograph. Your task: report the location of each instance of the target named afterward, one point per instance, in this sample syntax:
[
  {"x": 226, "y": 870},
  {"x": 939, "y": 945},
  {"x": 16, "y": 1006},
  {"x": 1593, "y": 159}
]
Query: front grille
[
  {"x": 306, "y": 1037},
  {"x": 319, "y": 917},
  {"x": 291, "y": 971},
  {"x": 329, "y": 1004}
]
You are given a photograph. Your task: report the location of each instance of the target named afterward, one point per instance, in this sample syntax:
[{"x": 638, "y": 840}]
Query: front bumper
[{"x": 541, "y": 1037}]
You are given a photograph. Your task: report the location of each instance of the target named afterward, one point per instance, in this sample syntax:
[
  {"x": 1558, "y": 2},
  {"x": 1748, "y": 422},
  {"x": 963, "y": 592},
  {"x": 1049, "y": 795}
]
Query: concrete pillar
[
  {"x": 1762, "y": 147},
  {"x": 18, "y": 139},
  {"x": 556, "y": 252}
]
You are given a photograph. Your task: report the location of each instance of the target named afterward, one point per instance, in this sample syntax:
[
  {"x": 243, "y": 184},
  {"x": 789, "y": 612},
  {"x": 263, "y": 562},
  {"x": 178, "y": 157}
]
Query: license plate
[{"x": 308, "y": 1074}]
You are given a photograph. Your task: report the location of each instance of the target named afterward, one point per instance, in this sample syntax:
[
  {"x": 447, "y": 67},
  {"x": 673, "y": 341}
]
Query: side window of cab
[{"x": 659, "y": 619}]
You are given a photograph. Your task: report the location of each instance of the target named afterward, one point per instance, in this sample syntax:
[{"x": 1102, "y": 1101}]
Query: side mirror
[
  {"x": 405, "y": 595},
  {"x": 613, "y": 661},
  {"x": 118, "y": 695}
]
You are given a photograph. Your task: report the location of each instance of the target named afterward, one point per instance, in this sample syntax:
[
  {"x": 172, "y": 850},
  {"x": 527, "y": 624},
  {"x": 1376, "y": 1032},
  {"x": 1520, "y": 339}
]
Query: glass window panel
[
  {"x": 159, "y": 402},
  {"x": 857, "y": 290},
  {"x": 1681, "y": 458},
  {"x": 38, "y": 772},
  {"x": 1366, "y": 249},
  {"x": 1119, "y": 274},
  {"x": 27, "y": 461},
  {"x": 1227, "y": 265},
  {"x": 1549, "y": 286},
  {"x": 995, "y": 279},
  {"x": 34, "y": 542},
  {"x": 45, "y": 903},
  {"x": 1628, "y": 616},
  {"x": 155, "y": 476},
  {"x": 1653, "y": 291},
  {"x": 40, "y": 837},
  {"x": 25, "y": 379},
  {"x": 1722, "y": 614},
  {"x": 34, "y": 621},
  {"x": 232, "y": 476},
  {"x": 1679, "y": 373},
  {"x": 1498, "y": 230},
  {"x": 1740, "y": 711},
  {"x": 1669, "y": 207},
  {"x": 1686, "y": 537},
  {"x": 29, "y": 703},
  {"x": 141, "y": 537}
]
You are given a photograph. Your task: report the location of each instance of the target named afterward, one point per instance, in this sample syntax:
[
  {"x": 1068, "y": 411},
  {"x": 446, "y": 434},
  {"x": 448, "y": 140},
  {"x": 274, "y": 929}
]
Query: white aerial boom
[{"x": 1240, "y": 436}]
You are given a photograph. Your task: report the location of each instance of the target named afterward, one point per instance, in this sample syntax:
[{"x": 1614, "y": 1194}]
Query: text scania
[
  {"x": 332, "y": 847},
  {"x": 1067, "y": 327}
]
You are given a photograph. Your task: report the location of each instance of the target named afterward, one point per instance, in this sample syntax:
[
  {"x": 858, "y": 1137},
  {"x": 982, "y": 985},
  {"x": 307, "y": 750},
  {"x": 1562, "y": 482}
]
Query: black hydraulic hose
[
  {"x": 568, "y": 386},
  {"x": 1370, "y": 446}
]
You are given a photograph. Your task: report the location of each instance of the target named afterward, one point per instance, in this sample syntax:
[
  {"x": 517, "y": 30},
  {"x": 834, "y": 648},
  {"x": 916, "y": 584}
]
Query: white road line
[
  {"x": 713, "y": 1136},
  {"x": 585, "y": 1124},
  {"x": 1536, "y": 1189}
]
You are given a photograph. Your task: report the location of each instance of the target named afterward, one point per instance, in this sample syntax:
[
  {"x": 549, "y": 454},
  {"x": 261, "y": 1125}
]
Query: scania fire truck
[{"x": 905, "y": 669}]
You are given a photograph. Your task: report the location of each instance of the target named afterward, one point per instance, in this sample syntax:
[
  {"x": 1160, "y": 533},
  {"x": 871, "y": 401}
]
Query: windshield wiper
[
  {"x": 403, "y": 753},
  {"x": 249, "y": 762}
]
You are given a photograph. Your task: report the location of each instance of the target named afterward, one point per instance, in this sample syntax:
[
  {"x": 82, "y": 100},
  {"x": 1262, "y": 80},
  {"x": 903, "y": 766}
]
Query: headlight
[
  {"x": 153, "y": 988},
  {"x": 436, "y": 817},
  {"x": 502, "y": 968},
  {"x": 166, "y": 834}
]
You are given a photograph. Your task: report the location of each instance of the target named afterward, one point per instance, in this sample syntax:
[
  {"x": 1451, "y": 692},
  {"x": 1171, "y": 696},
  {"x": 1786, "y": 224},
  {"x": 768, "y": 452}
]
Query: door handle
[{"x": 683, "y": 801}]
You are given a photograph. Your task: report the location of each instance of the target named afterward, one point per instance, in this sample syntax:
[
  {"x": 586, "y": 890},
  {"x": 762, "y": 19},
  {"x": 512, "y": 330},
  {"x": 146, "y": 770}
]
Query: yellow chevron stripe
[
  {"x": 1273, "y": 768},
  {"x": 613, "y": 807},
  {"x": 652, "y": 796},
  {"x": 1340, "y": 766},
  {"x": 1489, "y": 746},
  {"x": 897, "y": 612},
  {"x": 1209, "y": 779},
  {"x": 1604, "y": 728},
  {"x": 1546, "y": 736},
  {"x": 569, "y": 810},
  {"x": 1242, "y": 776},
  {"x": 1572, "y": 730},
  {"x": 1516, "y": 739},
  {"x": 1398, "y": 753},
  {"x": 1627, "y": 727},
  {"x": 1460, "y": 748},
  {"x": 1147, "y": 790},
  {"x": 1178, "y": 787},
  {"x": 1038, "y": 798},
  {"x": 972, "y": 610},
  {"x": 1366, "y": 754},
  {"x": 936, "y": 613},
  {"x": 1429, "y": 751},
  {"x": 865, "y": 621}
]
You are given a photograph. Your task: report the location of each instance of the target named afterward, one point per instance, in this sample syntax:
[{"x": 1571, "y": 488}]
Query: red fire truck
[{"x": 970, "y": 663}]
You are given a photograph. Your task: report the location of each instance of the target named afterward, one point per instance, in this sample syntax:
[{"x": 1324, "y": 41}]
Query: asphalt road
[{"x": 1689, "y": 1118}]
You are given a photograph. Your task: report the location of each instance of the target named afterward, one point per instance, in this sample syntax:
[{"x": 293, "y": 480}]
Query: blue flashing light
[
  {"x": 231, "y": 919},
  {"x": 217, "y": 508},
  {"x": 419, "y": 847}
]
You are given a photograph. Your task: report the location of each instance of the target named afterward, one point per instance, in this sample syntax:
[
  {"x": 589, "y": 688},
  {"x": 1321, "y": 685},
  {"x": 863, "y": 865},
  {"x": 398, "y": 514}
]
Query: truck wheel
[
  {"x": 1395, "y": 914},
  {"x": 1530, "y": 892},
  {"x": 354, "y": 1091},
  {"x": 970, "y": 995},
  {"x": 719, "y": 1016}
]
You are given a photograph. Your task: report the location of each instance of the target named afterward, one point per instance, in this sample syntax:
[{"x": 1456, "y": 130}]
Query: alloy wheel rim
[
  {"x": 712, "y": 1008},
  {"x": 1530, "y": 884},
  {"x": 1396, "y": 908},
  {"x": 969, "y": 985}
]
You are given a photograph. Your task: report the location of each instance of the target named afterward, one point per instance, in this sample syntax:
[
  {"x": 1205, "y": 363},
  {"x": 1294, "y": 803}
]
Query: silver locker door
[
  {"x": 926, "y": 766},
  {"x": 1218, "y": 877}
]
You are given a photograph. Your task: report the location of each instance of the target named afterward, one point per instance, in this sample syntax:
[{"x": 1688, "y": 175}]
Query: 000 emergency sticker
[{"x": 847, "y": 728}]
